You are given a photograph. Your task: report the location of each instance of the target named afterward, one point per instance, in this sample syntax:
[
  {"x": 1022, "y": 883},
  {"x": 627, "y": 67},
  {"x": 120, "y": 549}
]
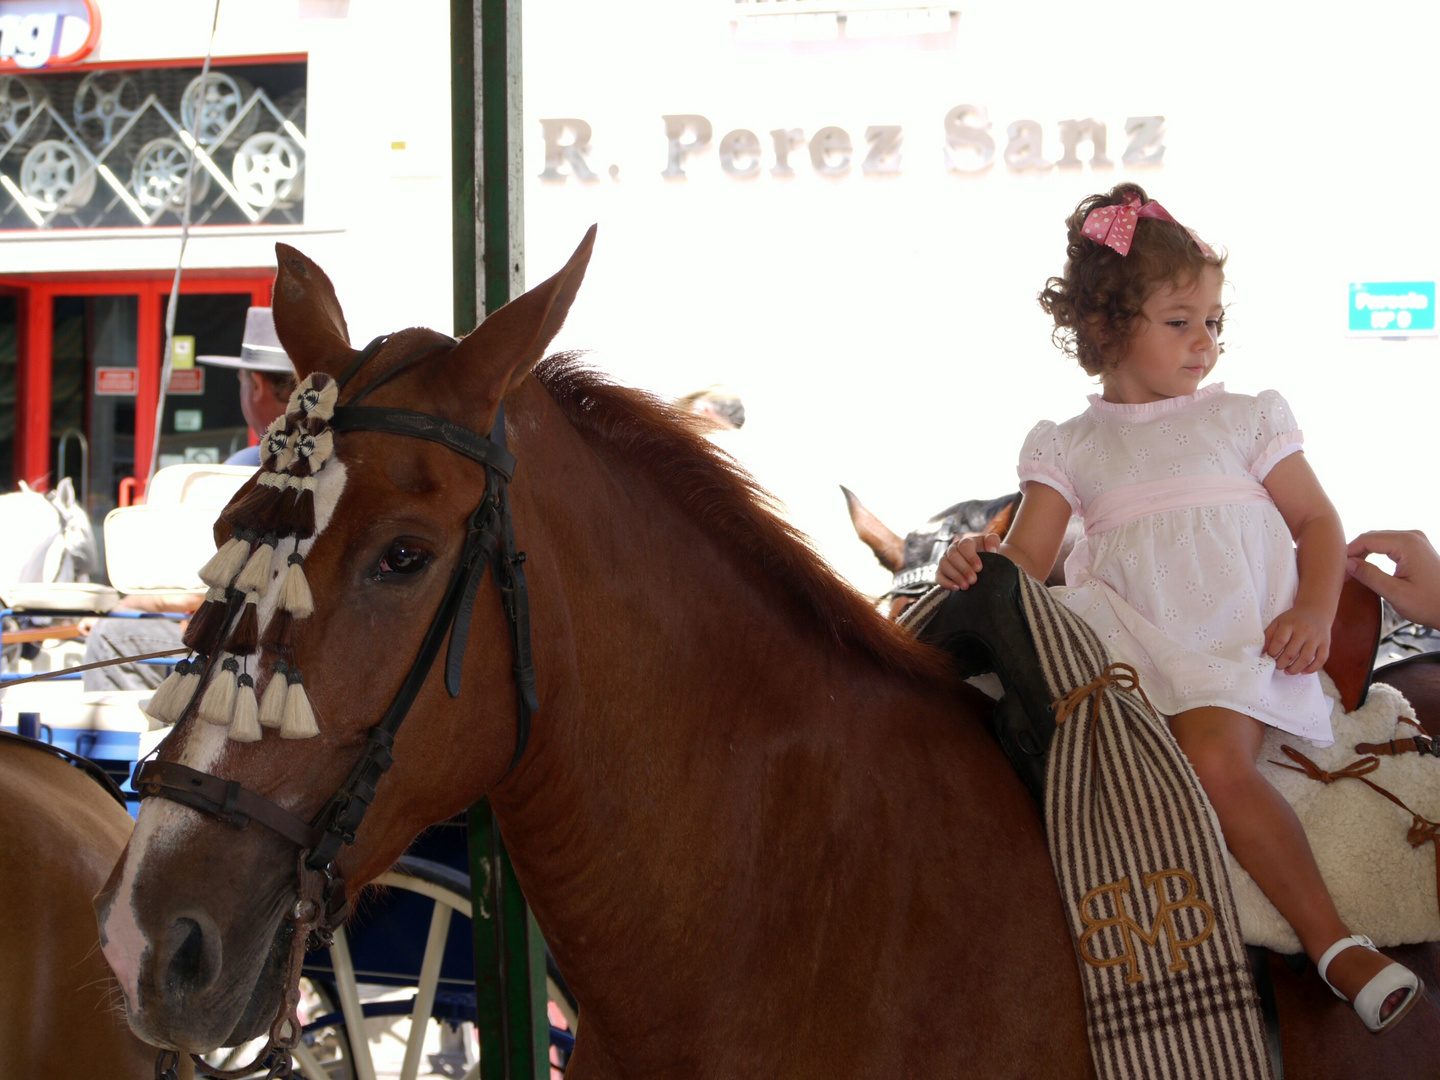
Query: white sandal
[{"x": 1372, "y": 996}]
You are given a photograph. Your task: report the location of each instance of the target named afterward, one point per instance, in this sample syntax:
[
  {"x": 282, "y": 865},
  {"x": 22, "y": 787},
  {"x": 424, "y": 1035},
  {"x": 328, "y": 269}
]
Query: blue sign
[{"x": 1392, "y": 308}]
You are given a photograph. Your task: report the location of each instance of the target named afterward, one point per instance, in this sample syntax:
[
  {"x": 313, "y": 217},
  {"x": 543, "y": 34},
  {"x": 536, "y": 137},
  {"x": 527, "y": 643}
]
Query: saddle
[{"x": 985, "y": 631}]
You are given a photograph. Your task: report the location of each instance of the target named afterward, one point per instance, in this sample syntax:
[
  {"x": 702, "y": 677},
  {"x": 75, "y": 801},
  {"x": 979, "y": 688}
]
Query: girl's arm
[
  {"x": 1299, "y": 639},
  {"x": 1032, "y": 543}
]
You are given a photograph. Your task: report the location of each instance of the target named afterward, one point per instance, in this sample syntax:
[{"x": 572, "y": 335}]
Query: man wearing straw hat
[{"x": 267, "y": 378}]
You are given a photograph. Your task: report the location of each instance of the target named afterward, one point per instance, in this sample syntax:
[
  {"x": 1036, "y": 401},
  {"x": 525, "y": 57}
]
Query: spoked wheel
[
  {"x": 105, "y": 102},
  {"x": 456, "y": 1056},
  {"x": 323, "y": 1053},
  {"x": 219, "y": 101}
]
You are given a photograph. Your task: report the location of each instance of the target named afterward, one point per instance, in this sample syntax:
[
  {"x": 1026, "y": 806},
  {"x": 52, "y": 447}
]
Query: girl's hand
[
  {"x": 961, "y": 566},
  {"x": 1299, "y": 641}
]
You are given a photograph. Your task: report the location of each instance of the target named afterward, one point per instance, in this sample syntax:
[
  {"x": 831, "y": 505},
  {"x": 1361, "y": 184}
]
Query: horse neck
[{"x": 692, "y": 711}]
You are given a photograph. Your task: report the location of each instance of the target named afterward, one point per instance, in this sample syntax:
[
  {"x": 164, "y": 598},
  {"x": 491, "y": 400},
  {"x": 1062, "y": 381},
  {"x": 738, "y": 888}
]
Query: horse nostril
[{"x": 193, "y": 950}]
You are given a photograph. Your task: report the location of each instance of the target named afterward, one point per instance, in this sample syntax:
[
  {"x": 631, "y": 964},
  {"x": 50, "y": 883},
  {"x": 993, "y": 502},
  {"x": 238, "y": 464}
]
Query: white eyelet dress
[{"x": 1185, "y": 559}]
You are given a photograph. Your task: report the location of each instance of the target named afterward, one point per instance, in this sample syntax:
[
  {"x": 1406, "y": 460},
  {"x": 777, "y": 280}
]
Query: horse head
[
  {"x": 197, "y": 917},
  {"x": 913, "y": 557}
]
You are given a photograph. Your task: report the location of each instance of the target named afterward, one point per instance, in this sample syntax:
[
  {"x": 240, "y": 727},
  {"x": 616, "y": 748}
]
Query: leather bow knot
[{"x": 1117, "y": 674}]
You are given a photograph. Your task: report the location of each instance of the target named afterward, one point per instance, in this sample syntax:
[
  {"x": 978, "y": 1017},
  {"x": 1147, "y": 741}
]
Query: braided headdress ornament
[{"x": 277, "y": 514}]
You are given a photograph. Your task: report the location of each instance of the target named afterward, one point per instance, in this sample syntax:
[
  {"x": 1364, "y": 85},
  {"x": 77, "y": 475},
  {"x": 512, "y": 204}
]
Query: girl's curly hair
[{"x": 1100, "y": 294}]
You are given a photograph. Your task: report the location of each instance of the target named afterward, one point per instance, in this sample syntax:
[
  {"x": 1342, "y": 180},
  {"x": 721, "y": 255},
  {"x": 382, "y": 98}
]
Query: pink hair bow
[{"x": 1114, "y": 226}]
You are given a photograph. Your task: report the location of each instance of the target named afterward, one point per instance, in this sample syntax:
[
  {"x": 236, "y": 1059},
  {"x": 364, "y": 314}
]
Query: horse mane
[{"x": 726, "y": 502}]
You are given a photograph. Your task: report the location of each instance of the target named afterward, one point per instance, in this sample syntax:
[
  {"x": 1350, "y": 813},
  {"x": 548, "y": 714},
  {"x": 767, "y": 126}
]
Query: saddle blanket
[{"x": 1377, "y": 859}]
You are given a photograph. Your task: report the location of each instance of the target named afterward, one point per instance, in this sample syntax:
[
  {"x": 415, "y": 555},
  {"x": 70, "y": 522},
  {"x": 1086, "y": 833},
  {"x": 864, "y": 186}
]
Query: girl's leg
[{"x": 1265, "y": 837}]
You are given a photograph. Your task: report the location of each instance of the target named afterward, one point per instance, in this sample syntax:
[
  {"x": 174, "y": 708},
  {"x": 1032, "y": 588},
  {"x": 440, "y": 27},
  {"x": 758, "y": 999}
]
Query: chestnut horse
[
  {"x": 764, "y": 833},
  {"x": 59, "y": 1007}
]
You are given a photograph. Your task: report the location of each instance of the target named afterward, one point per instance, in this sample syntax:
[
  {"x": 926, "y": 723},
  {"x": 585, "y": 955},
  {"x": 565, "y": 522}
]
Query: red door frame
[{"x": 34, "y": 353}]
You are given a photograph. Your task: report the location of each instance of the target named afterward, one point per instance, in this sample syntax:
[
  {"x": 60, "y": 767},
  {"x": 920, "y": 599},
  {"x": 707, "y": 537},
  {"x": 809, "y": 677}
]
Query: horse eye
[{"x": 404, "y": 557}]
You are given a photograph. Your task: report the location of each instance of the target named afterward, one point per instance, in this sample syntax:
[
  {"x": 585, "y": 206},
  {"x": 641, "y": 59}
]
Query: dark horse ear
[
  {"x": 500, "y": 352},
  {"x": 308, "y": 319}
]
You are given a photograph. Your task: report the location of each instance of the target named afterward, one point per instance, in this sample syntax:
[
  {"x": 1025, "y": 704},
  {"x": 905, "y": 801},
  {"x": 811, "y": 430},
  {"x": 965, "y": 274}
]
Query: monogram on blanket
[{"x": 1382, "y": 885}]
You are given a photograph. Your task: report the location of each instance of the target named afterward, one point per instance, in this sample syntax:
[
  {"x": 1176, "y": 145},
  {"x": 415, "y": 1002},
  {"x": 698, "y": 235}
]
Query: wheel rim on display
[
  {"x": 54, "y": 176},
  {"x": 218, "y": 104},
  {"x": 266, "y": 168},
  {"x": 160, "y": 173},
  {"x": 20, "y": 99},
  {"x": 105, "y": 102}
]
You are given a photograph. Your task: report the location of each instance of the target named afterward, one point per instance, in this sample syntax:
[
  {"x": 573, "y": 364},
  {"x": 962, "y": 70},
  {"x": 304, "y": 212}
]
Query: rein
[{"x": 489, "y": 542}]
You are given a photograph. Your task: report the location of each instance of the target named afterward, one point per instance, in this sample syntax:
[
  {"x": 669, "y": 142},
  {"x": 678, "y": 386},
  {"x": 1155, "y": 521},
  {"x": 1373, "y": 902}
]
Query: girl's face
[{"x": 1173, "y": 345}]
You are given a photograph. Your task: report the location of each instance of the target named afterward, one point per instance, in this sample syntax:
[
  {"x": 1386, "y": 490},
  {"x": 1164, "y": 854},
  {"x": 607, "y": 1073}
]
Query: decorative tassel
[
  {"x": 278, "y": 632},
  {"x": 219, "y": 700},
  {"x": 273, "y": 442},
  {"x": 245, "y": 724},
  {"x": 272, "y": 704},
  {"x": 256, "y": 507},
  {"x": 245, "y": 638},
  {"x": 208, "y": 623},
  {"x": 226, "y": 563},
  {"x": 303, "y": 519},
  {"x": 314, "y": 398},
  {"x": 299, "y": 718},
  {"x": 286, "y": 457},
  {"x": 295, "y": 593},
  {"x": 256, "y": 575},
  {"x": 190, "y": 685},
  {"x": 165, "y": 704},
  {"x": 284, "y": 514}
]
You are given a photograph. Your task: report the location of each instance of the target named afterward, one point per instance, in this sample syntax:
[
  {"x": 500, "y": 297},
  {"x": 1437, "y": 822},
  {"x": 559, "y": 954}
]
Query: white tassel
[
  {"x": 256, "y": 575},
  {"x": 295, "y": 593},
  {"x": 226, "y": 563},
  {"x": 272, "y": 704},
  {"x": 299, "y": 721},
  {"x": 219, "y": 700},
  {"x": 165, "y": 704},
  {"x": 245, "y": 724},
  {"x": 272, "y": 443}
]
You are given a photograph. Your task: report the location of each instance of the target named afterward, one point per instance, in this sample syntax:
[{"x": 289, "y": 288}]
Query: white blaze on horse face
[{"x": 163, "y": 825}]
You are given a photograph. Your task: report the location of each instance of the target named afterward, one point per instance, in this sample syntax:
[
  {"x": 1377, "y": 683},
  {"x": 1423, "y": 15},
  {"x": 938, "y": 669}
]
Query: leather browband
[
  {"x": 224, "y": 799},
  {"x": 419, "y": 425}
]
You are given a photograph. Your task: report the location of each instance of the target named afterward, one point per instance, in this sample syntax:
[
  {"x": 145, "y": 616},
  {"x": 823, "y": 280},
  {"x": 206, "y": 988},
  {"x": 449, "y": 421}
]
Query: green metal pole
[{"x": 488, "y": 245}]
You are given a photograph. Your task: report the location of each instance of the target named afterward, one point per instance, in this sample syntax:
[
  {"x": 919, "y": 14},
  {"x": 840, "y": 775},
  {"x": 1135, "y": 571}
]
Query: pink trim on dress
[
  {"x": 1050, "y": 477},
  {"x": 1122, "y": 505},
  {"x": 1155, "y": 408},
  {"x": 1281, "y": 447}
]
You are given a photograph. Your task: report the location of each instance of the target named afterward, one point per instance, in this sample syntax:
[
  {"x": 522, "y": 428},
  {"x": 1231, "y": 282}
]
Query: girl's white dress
[{"x": 1185, "y": 560}]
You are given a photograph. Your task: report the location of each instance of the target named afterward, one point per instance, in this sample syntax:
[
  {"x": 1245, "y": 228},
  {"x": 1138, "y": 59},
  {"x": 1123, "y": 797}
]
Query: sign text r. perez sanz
[{"x": 970, "y": 145}]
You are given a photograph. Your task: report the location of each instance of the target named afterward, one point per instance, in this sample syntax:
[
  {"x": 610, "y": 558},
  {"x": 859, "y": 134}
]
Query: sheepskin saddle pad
[{"x": 1369, "y": 804}]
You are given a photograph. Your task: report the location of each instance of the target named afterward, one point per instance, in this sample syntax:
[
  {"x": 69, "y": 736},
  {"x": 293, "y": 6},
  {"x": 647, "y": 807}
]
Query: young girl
[{"x": 1191, "y": 498}]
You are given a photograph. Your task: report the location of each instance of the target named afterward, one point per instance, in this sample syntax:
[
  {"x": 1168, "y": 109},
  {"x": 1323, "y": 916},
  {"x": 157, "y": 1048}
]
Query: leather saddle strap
[
  {"x": 227, "y": 800},
  {"x": 1395, "y": 747}
]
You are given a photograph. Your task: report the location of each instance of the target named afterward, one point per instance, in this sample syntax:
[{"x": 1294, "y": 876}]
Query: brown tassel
[
  {"x": 303, "y": 520},
  {"x": 257, "y": 506},
  {"x": 272, "y": 443},
  {"x": 272, "y": 704},
  {"x": 226, "y": 563},
  {"x": 245, "y": 724},
  {"x": 298, "y": 721},
  {"x": 208, "y": 623},
  {"x": 256, "y": 575},
  {"x": 295, "y": 593},
  {"x": 285, "y": 508},
  {"x": 165, "y": 704},
  {"x": 278, "y": 634},
  {"x": 219, "y": 700},
  {"x": 245, "y": 638}
]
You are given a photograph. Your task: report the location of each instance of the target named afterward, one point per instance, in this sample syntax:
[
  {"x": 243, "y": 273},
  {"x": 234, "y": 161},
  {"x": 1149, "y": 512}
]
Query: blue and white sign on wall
[{"x": 1392, "y": 308}]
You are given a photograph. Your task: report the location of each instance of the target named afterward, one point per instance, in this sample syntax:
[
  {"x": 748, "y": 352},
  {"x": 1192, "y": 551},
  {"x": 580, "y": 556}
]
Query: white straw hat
[{"x": 260, "y": 350}]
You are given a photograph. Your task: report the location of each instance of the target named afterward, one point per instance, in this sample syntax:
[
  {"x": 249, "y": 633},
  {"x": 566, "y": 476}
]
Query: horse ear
[
  {"x": 308, "y": 319},
  {"x": 889, "y": 548},
  {"x": 512, "y": 340}
]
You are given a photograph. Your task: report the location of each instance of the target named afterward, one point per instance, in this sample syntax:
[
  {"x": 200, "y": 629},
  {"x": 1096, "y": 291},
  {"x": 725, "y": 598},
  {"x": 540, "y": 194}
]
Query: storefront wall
[{"x": 882, "y": 326}]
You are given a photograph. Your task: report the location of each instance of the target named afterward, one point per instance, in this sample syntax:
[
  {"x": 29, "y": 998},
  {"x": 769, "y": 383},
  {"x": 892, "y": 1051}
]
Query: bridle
[{"x": 322, "y": 905}]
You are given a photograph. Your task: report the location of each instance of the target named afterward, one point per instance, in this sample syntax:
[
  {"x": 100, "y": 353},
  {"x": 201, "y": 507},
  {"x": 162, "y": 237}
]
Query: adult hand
[{"x": 1414, "y": 589}]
